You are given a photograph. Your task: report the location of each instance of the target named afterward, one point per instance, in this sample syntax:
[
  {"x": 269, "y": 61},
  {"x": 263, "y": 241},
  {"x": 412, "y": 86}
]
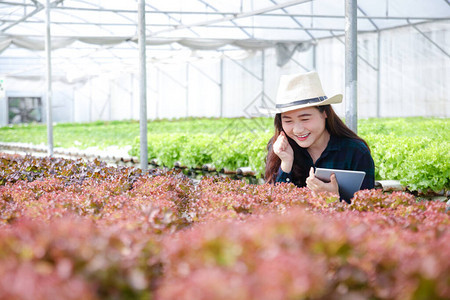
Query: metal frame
[
  {"x": 142, "y": 87},
  {"x": 350, "y": 16},
  {"x": 226, "y": 16},
  {"x": 48, "y": 77}
]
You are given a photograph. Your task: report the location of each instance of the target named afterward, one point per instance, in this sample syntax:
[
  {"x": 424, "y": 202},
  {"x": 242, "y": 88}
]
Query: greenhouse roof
[
  {"x": 106, "y": 30},
  {"x": 173, "y": 20}
]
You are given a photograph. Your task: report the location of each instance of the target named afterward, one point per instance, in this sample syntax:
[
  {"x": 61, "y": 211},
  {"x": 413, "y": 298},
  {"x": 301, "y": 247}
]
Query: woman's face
[{"x": 306, "y": 126}]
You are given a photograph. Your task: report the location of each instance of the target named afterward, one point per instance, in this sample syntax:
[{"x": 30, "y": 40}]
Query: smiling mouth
[{"x": 303, "y": 137}]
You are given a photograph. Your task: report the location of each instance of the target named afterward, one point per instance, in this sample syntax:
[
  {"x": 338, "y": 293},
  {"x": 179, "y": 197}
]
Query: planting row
[
  {"x": 79, "y": 230},
  {"x": 420, "y": 163},
  {"x": 412, "y": 150},
  {"x": 122, "y": 133}
]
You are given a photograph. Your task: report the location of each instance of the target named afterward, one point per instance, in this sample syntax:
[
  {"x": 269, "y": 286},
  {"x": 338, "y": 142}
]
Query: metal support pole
[
  {"x": 158, "y": 95},
  {"x": 187, "y": 89},
  {"x": 314, "y": 57},
  {"x": 221, "y": 87},
  {"x": 378, "y": 73},
  {"x": 90, "y": 101},
  {"x": 351, "y": 111},
  {"x": 48, "y": 79},
  {"x": 132, "y": 95},
  {"x": 142, "y": 86},
  {"x": 263, "y": 77}
]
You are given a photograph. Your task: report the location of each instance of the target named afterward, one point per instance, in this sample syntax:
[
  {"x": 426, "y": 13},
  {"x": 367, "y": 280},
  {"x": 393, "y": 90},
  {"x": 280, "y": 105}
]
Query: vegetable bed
[
  {"x": 83, "y": 230},
  {"x": 415, "y": 151}
]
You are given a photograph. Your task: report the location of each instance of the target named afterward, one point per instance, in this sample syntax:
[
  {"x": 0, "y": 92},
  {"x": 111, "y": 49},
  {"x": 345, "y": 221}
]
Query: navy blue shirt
[{"x": 340, "y": 153}]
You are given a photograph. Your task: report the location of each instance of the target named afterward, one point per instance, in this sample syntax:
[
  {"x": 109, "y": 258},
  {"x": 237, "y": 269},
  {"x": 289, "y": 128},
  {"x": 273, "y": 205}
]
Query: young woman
[{"x": 309, "y": 134}]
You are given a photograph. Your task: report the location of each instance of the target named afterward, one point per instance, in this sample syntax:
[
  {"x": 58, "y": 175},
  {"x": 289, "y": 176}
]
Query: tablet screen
[{"x": 349, "y": 181}]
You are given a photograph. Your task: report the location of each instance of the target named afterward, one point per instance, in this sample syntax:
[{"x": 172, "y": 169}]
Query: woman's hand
[
  {"x": 283, "y": 149},
  {"x": 317, "y": 185}
]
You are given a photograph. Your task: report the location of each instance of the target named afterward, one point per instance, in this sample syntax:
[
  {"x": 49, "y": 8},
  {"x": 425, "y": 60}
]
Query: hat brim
[{"x": 332, "y": 100}]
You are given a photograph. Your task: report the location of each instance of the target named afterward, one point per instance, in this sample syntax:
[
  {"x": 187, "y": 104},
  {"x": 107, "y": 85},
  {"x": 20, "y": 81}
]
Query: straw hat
[{"x": 302, "y": 90}]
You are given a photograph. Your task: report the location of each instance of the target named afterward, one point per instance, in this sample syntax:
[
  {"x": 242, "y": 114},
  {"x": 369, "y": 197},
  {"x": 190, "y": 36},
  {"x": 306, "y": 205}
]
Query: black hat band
[{"x": 300, "y": 102}]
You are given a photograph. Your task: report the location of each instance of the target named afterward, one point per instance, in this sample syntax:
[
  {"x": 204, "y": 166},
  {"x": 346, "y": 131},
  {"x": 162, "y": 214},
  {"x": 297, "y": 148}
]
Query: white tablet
[{"x": 349, "y": 181}]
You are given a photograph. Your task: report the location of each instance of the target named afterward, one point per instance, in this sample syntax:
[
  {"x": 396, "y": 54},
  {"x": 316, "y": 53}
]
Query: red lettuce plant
[{"x": 84, "y": 230}]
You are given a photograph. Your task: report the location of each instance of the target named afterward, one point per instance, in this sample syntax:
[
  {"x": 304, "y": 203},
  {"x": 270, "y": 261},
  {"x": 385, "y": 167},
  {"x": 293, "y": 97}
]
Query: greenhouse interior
[
  {"x": 153, "y": 150},
  {"x": 219, "y": 59}
]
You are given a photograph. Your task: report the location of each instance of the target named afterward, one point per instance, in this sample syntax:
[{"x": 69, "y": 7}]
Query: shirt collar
[{"x": 334, "y": 144}]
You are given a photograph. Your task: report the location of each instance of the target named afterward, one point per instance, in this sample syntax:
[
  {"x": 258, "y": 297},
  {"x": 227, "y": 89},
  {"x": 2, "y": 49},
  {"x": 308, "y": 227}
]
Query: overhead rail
[
  {"x": 224, "y": 13},
  {"x": 234, "y": 17},
  {"x": 124, "y": 19}
]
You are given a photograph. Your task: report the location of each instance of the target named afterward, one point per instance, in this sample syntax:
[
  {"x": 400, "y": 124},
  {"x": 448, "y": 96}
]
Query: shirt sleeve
[
  {"x": 365, "y": 163},
  {"x": 283, "y": 176}
]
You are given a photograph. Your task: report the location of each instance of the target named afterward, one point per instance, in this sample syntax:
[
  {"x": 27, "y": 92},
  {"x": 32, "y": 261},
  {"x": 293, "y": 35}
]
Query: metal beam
[
  {"x": 359, "y": 17},
  {"x": 298, "y": 23},
  {"x": 370, "y": 19},
  {"x": 234, "y": 23},
  {"x": 205, "y": 74},
  {"x": 430, "y": 40},
  {"x": 374, "y": 31},
  {"x": 233, "y": 17},
  {"x": 300, "y": 65},
  {"x": 39, "y": 7},
  {"x": 172, "y": 18},
  {"x": 167, "y": 12},
  {"x": 243, "y": 67},
  {"x": 359, "y": 56},
  {"x": 165, "y": 25}
]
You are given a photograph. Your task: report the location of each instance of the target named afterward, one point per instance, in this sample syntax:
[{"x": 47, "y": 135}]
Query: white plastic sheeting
[
  {"x": 37, "y": 44},
  {"x": 222, "y": 58}
]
